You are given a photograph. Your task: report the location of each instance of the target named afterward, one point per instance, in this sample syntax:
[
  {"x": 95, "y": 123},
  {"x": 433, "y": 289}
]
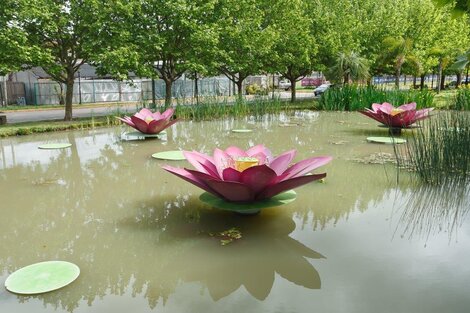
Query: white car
[
  {"x": 321, "y": 89},
  {"x": 284, "y": 84}
]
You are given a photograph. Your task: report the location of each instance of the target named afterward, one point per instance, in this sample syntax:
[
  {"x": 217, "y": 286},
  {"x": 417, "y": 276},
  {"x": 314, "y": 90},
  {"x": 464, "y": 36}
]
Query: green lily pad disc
[
  {"x": 176, "y": 155},
  {"x": 55, "y": 145},
  {"x": 242, "y": 130},
  {"x": 386, "y": 140},
  {"x": 139, "y": 134},
  {"x": 251, "y": 207},
  {"x": 42, "y": 277}
]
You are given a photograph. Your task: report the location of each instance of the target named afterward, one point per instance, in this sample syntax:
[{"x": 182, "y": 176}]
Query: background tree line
[{"x": 349, "y": 40}]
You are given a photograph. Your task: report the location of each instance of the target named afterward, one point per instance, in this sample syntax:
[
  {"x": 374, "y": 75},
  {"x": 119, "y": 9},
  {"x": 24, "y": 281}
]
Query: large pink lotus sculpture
[
  {"x": 401, "y": 117},
  {"x": 150, "y": 123},
  {"x": 242, "y": 176}
]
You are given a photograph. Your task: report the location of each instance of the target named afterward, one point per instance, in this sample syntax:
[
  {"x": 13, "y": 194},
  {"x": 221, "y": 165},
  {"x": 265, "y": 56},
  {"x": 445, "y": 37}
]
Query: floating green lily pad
[
  {"x": 386, "y": 140},
  {"x": 139, "y": 134},
  {"x": 248, "y": 208},
  {"x": 242, "y": 130},
  {"x": 55, "y": 145},
  {"x": 176, "y": 155},
  {"x": 42, "y": 277}
]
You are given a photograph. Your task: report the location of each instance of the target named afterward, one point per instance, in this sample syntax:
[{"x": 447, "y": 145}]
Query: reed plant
[
  {"x": 210, "y": 110},
  {"x": 441, "y": 149},
  {"x": 353, "y": 98},
  {"x": 461, "y": 101}
]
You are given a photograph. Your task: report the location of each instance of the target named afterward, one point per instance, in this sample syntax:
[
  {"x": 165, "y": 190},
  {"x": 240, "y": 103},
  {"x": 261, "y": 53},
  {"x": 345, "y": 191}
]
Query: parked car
[
  {"x": 284, "y": 84},
  {"x": 321, "y": 89},
  {"x": 311, "y": 82}
]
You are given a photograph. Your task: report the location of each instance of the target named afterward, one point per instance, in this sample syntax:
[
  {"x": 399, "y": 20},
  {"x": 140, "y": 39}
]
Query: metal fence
[
  {"x": 92, "y": 91},
  {"x": 15, "y": 93}
]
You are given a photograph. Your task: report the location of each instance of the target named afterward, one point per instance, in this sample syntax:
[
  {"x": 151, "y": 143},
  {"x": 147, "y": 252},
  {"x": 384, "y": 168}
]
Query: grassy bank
[
  {"x": 20, "y": 129},
  {"x": 203, "y": 111}
]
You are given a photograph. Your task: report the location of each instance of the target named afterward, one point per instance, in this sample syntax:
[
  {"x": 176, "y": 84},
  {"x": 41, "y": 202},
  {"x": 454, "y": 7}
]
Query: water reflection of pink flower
[
  {"x": 245, "y": 176},
  {"x": 402, "y": 116},
  {"x": 150, "y": 123}
]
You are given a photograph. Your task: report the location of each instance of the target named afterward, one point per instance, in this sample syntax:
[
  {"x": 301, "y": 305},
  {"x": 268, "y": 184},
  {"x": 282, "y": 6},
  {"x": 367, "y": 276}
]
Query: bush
[{"x": 353, "y": 98}]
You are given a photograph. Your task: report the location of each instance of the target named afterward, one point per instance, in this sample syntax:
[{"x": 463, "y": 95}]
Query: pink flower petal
[
  {"x": 281, "y": 162},
  {"x": 386, "y": 108},
  {"x": 408, "y": 107},
  {"x": 285, "y": 185},
  {"x": 202, "y": 162},
  {"x": 258, "y": 177},
  {"x": 235, "y": 152},
  {"x": 154, "y": 127},
  {"x": 127, "y": 120},
  {"x": 303, "y": 167},
  {"x": 168, "y": 113},
  {"x": 232, "y": 191},
  {"x": 259, "y": 150},
  {"x": 139, "y": 124},
  {"x": 221, "y": 160},
  {"x": 231, "y": 174},
  {"x": 189, "y": 177}
]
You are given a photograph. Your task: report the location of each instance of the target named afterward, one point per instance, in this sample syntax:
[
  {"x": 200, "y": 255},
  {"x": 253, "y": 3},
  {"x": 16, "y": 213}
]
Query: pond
[{"x": 356, "y": 242}]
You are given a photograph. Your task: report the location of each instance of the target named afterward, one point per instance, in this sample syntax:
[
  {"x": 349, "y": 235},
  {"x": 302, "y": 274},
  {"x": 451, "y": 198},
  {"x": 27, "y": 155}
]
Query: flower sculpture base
[
  {"x": 397, "y": 130},
  {"x": 140, "y": 135},
  {"x": 249, "y": 208}
]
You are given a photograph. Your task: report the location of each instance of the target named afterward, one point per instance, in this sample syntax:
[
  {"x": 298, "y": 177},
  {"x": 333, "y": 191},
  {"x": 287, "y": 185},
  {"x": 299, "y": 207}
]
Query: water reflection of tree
[{"x": 435, "y": 209}]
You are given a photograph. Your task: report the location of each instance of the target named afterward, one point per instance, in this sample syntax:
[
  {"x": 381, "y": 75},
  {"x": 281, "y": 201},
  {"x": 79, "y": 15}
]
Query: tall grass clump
[
  {"x": 353, "y": 98},
  {"x": 461, "y": 101},
  {"x": 215, "y": 110},
  {"x": 440, "y": 150}
]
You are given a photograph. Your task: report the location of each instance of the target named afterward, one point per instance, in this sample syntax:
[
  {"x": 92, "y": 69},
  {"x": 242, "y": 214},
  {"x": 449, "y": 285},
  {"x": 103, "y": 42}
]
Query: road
[{"x": 58, "y": 114}]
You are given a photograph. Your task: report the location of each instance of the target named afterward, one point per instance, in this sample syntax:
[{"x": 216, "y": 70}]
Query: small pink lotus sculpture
[
  {"x": 150, "y": 123},
  {"x": 242, "y": 176},
  {"x": 400, "y": 117}
]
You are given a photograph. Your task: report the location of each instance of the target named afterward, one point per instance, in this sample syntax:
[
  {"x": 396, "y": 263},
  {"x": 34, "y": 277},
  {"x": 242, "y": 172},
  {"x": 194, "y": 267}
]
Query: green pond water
[{"x": 357, "y": 242}]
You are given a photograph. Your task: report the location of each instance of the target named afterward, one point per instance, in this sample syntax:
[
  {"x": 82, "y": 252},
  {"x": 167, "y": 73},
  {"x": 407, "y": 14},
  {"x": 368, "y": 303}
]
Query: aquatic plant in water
[
  {"x": 242, "y": 176},
  {"x": 150, "y": 123},
  {"x": 397, "y": 117}
]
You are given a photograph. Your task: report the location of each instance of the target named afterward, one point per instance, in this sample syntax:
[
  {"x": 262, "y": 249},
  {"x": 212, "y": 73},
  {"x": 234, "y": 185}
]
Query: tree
[
  {"x": 66, "y": 33},
  {"x": 396, "y": 51},
  {"x": 245, "y": 39},
  {"x": 294, "y": 50},
  {"x": 350, "y": 66}
]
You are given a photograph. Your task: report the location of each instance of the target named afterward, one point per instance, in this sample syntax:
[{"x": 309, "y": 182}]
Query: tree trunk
[
  {"x": 466, "y": 77},
  {"x": 196, "y": 88},
  {"x": 443, "y": 81},
  {"x": 68, "y": 98},
  {"x": 439, "y": 76},
  {"x": 459, "y": 79},
  {"x": 397, "y": 78},
  {"x": 168, "y": 84},
  {"x": 423, "y": 77},
  {"x": 154, "y": 105},
  {"x": 414, "y": 82},
  {"x": 292, "y": 90},
  {"x": 239, "y": 84},
  {"x": 404, "y": 81}
]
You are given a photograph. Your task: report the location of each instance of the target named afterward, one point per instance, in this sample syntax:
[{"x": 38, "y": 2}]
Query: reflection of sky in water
[
  {"x": 22, "y": 153},
  {"x": 143, "y": 239}
]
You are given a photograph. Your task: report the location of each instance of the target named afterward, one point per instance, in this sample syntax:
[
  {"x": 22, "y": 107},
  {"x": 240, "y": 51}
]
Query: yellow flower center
[
  {"x": 396, "y": 111},
  {"x": 242, "y": 163},
  {"x": 148, "y": 119}
]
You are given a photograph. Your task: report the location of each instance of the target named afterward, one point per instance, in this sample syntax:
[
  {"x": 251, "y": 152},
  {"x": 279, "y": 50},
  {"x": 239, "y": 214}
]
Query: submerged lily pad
[
  {"x": 386, "y": 140},
  {"x": 42, "y": 277},
  {"x": 175, "y": 155},
  {"x": 242, "y": 130},
  {"x": 55, "y": 145},
  {"x": 251, "y": 207}
]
